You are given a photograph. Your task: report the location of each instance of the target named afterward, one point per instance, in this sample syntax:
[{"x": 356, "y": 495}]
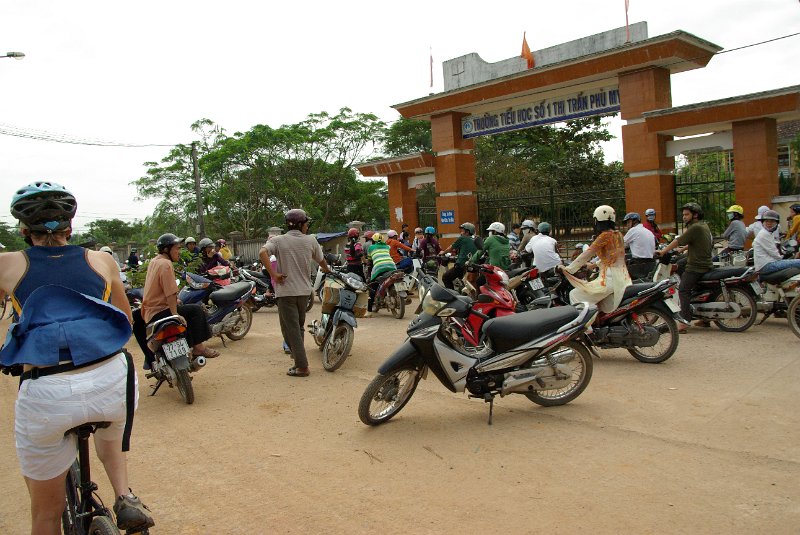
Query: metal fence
[
  {"x": 569, "y": 211},
  {"x": 426, "y": 214},
  {"x": 713, "y": 191}
]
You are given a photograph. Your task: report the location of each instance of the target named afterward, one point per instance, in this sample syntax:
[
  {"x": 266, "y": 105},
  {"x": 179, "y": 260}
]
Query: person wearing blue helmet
[
  {"x": 429, "y": 245},
  {"x": 72, "y": 320}
]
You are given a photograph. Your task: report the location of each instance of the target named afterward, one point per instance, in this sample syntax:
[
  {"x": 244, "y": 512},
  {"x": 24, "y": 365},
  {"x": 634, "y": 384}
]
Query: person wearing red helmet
[
  {"x": 293, "y": 285},
  {"x": 354, "y": 254}
]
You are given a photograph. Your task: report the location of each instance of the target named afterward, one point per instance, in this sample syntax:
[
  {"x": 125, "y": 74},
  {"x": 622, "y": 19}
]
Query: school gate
[{"x": 600, "y": 74}]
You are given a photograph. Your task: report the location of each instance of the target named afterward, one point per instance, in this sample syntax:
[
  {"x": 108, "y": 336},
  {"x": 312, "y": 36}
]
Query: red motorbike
[{"x": 493, "y": 301}]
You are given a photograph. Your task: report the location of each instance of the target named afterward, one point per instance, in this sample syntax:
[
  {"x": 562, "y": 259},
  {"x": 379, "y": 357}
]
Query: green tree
[
  {"x": 11, "y": 238},
  {"x": 407, "y": 136}
]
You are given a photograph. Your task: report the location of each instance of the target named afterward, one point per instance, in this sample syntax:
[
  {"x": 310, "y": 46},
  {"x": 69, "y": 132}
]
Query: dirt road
[{"x": 705, "y": 443}]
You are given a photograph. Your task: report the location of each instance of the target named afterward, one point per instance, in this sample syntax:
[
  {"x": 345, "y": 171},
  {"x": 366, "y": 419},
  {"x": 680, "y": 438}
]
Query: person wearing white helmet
[
  {"x": 766, "y": 255},
  {"x": 528, "y": 231},
  {"x": 755, "y": 227},
  {"x": 608, "y": 288},
  {"x": 495, "y": 247},
  {"x": 402, "y": 262}
]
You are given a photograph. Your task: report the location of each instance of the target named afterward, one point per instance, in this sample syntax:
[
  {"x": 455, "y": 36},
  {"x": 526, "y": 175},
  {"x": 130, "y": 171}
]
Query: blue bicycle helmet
[
  {"x": 430, "y": 230},
  {"x": 44, "y": 206}
]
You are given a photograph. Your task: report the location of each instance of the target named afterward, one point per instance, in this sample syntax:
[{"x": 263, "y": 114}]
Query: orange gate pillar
[
  {"x": 651, "y": 183},
  {"x": 755, "y": 164},
  {"x": 402, "y": 202},
  {"x": 456, "y": 184}
]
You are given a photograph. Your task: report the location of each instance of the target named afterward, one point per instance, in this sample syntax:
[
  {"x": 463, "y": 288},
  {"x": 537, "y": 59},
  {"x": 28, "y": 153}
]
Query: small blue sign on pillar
[{"x": 447, "y": 216}]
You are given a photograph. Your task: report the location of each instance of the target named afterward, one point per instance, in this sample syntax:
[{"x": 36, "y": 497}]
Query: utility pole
[{"x": 200, "y": 222}]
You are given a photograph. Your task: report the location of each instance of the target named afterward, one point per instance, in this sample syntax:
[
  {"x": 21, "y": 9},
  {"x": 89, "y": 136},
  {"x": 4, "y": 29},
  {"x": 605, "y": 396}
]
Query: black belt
[{"x": 35, "y": 373}]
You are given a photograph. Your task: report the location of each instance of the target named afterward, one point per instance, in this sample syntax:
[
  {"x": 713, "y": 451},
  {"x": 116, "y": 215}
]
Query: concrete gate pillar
[
  {"x": 404, "y": 199},
  {"x": 651, "y": 183},
  {"x": 456, "y": 184},
  {"x": 755, "y": 164}
]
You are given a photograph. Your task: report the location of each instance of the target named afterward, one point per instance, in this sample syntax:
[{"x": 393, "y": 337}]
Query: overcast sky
[{"x": 142, "y": 72}]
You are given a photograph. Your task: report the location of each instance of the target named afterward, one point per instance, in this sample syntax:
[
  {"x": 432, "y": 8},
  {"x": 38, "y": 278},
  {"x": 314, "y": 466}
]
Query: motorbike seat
[
  {"x": 257, "y": 274},
  {"x": 779, "y": 276},
  {"x": 231, "y": 292},
  {"x": 514, "y": 272},
  {"x": 723, "y": 273},
  {"x": 136, "y": 292},
  {"x": 507, "y": 332},
  {"x": 634, "y": 289}
]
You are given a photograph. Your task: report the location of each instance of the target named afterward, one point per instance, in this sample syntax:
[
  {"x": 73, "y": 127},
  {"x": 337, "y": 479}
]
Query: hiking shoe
[{"x": 132, "y": 514}]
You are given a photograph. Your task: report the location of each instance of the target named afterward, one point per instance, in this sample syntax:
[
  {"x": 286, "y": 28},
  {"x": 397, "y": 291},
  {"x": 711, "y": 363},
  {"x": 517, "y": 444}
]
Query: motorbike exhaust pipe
[{"x": 198, "y": 363}]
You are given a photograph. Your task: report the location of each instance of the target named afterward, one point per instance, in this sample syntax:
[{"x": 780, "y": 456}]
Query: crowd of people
[{"x": 61, "y": 288}]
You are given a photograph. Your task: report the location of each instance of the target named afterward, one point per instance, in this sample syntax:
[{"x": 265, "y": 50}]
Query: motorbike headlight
[{"x": 431, "y": 306}]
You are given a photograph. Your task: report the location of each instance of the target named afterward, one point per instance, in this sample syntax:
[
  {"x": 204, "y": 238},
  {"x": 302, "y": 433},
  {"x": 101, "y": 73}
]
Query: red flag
[{"x": 526, "y": 51}]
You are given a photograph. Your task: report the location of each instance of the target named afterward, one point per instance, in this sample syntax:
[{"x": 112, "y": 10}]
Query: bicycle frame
[{"x": 82, "y": 503}]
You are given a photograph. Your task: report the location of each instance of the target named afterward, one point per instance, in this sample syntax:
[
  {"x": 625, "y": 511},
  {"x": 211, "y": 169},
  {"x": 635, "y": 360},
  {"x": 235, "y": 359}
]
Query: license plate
[
  {"x": 178, "y": 348},
  {"x": 674, "y": 307},
  {"x": 401, "y": 286},
  {"x": 536, "y": 284},
  {"x": 756, "y": 287}
]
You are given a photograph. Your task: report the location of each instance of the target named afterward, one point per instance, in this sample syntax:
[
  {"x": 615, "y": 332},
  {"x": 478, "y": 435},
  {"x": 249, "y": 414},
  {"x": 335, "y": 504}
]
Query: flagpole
[
  {"x": 431, "y": 53},
  {"x": 627, "y": 28}
]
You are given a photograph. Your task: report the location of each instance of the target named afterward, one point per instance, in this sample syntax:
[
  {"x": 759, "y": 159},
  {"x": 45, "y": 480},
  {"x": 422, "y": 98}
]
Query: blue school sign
[{"x": 447, "y": 216}]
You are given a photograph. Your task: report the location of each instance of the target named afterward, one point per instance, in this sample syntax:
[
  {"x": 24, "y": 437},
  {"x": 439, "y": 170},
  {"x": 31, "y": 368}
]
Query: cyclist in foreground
[{"x": 73, "y": 319}]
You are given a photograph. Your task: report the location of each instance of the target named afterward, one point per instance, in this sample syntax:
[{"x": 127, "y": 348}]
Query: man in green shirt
[
  {"x": 495, "y": 246},
  {"x": 697, "y": 237},
  {"x": 465, "y": 245}
]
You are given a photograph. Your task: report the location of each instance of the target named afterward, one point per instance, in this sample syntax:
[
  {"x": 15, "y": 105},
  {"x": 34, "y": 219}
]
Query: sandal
[
  {"x": 295, "y": 372},
  {"x": 208, "y": 353}
]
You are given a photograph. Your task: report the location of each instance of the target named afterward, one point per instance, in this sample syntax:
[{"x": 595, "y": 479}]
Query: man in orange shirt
[{"x": 394, "y": 244}]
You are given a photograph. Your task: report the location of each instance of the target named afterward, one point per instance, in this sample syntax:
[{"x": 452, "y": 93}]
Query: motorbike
[
  {"x": 392, "y": 293},
  {"x": 529, "y": 288},
  {"x": 173, "y": 357},
  {"x": 345, "y": 297},
  {"x": 645, "y": 323},
  {"x": 726, "y": 295},
  {"x": 542, "y": 354},
  {"x": 493, "y": 301},
  {"x": 264, "y": 295},
  {"x": 228, "y": 308}
]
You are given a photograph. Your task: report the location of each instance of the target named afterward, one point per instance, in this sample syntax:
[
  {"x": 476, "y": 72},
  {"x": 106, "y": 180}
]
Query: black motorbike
[
  {"x": 264, "y": 295},
  {"x": 173, "y": 357},
  {"x": 542, "y": 354}
]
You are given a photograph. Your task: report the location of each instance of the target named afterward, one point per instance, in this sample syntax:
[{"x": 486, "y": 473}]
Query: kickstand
[
  {"x": 766, "y": 315},
  {"x": 489, "y": 398},
  {"x": 155, "y": 388},
  {"x": 223, "y": 341}
]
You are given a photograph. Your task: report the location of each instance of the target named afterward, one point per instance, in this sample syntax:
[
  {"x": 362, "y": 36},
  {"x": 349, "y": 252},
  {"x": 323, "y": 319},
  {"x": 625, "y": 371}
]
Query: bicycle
[
  {"x": 5, "y": 301},
  {"x": 85, "y": 513}
]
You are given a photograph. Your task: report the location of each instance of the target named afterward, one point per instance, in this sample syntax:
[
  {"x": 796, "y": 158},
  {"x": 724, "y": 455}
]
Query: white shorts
[{"x": 49, "y": 406}]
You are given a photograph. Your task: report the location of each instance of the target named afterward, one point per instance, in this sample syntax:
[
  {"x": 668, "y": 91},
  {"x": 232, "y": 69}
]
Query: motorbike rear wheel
[
  {"x": 184, "y": 383},
  {"x": 395, "y": 304},
  {"x": 338, "y": 346},
  {"x": 794, "y": 315},
  {"x": 386, "y": 395},
  {"x": 749, "y": 311},
  {"x": 580, "y": 360},
  {"x": 243, "y": 325},
  {"x": 665, "y": 347}
]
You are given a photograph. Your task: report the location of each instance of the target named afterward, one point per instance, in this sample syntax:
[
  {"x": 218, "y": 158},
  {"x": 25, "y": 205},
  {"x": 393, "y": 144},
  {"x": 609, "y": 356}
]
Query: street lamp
[{"x": 15, "y": 55}]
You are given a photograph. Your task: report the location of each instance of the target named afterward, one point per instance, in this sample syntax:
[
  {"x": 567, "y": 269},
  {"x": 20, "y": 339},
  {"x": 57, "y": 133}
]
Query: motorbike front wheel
[
  {"x": 386, "y": 395},
  {"x": 577, "y": 357},
  {"x": 243, "y": 325},
  {"x": 338, "y": 346},
  {"x": 794, "y": 315},
  {"x": 185, "y": 386},
  {"x": 749, "y": 311},
  {"x": 395, "y": 304},
  {"x": 667, "y": 340}
]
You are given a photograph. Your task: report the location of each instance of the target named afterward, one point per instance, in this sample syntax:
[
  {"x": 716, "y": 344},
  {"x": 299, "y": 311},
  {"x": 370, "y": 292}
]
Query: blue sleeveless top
[
  {"x": 63, "y": 266},
  {"x": 61, "y": 304}
]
